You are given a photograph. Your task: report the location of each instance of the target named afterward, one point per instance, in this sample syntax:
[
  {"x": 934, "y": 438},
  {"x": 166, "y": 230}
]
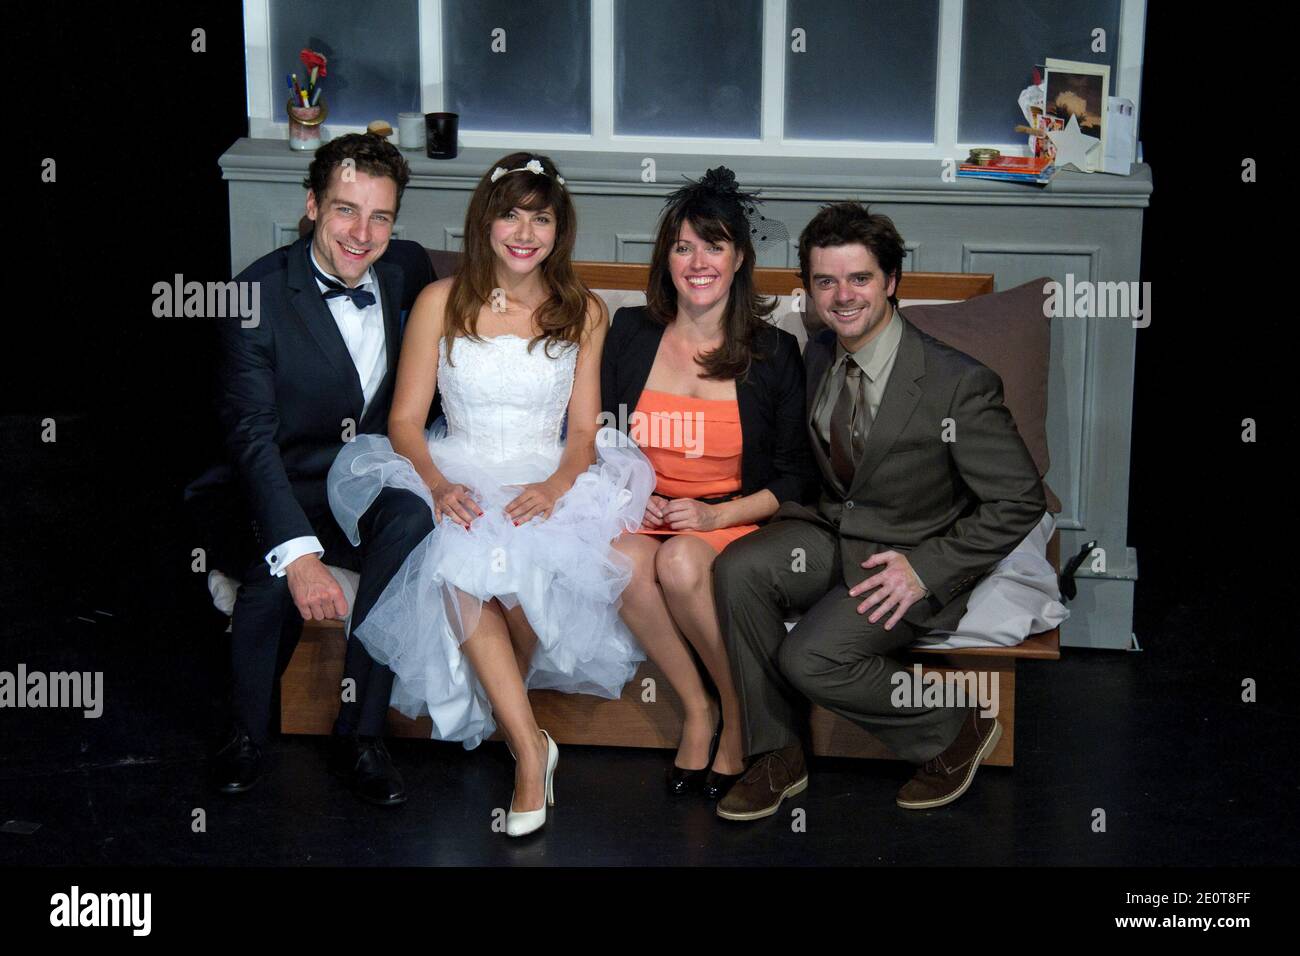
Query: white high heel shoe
[{"x": 520, "y": 823}]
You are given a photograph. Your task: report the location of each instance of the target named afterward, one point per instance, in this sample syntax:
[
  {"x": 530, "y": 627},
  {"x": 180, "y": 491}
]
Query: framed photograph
[{"x": 1079, "y": 90}]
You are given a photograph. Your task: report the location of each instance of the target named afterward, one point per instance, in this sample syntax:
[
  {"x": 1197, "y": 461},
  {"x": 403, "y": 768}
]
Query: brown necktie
[{"x": 850, "y": 420}]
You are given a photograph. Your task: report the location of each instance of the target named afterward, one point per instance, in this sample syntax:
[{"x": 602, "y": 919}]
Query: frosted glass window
[
  {"x": 1002, "y": 41},
  {"x": 374, "y": 60},
  {"x": 518, "y": 66},
  {"x": 865, "y": 70},
  {"x": 688, "y": 68}
]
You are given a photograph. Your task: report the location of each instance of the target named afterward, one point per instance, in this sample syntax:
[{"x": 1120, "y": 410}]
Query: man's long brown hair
[{"x": 562, "y": 317}]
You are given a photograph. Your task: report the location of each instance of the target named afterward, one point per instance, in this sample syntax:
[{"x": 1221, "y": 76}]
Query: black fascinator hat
[{"x": 717, "y": 197}]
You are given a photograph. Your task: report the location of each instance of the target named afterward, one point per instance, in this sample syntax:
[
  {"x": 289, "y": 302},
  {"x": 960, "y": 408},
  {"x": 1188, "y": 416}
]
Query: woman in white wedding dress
[{"x": 518, "y": 585}]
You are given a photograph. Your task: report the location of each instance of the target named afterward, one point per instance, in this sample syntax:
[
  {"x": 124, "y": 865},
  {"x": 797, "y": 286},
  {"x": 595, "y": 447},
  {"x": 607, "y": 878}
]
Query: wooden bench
[
  {"x": 309, "y": 696},
  {"x": 309, "y": 700}
]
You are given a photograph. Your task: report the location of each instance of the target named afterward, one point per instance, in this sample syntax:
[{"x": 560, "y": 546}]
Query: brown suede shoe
[
  {"x": 771, "y": 778},
  {"x": 944, "y": 778}
]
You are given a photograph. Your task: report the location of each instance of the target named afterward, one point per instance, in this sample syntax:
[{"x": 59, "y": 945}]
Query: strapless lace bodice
[{"x": 503, "y": 400}]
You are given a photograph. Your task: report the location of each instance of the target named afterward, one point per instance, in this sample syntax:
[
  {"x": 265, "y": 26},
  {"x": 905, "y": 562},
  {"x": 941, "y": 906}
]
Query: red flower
[{"x": 311, "y": 58}]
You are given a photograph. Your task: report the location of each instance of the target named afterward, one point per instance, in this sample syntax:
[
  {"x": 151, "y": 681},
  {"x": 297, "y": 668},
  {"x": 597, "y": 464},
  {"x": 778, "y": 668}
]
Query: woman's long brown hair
[
  {"x": 716, "y": 214},
  {"x": 563, "y": 316}
]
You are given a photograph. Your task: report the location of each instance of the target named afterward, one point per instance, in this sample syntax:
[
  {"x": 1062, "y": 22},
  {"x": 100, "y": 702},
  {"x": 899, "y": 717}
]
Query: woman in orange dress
[{"x": 714, "y": 396}]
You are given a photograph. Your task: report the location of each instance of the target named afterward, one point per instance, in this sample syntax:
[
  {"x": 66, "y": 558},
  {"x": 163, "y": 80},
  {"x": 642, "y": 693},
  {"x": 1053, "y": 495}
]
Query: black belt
[{"x": 719, "y": 499}]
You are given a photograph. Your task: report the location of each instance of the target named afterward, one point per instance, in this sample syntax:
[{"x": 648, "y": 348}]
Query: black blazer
[
  {"x": 773, "y": 414},
  {"x": 287, "y": 385}
]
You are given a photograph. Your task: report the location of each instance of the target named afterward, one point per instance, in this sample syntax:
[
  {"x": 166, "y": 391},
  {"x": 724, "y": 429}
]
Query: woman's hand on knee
[
  {"x": 456, "y": 502},
  {"x": 536, "y": 500}
]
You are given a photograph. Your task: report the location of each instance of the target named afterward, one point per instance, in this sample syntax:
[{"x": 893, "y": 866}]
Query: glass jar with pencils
[{"x": 305, "y": 124}]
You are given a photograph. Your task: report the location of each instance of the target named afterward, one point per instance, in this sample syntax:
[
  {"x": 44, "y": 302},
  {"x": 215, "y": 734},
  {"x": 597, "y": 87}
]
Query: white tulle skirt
[{"x": 563, "y": 572}]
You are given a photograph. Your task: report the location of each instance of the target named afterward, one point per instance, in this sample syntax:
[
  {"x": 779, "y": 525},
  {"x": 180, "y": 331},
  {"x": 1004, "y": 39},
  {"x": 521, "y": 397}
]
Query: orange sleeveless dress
[{"x": 694, "y": 446}]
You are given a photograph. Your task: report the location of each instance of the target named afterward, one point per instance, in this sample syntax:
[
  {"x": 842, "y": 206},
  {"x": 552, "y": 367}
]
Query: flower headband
[{"x": 533, "y": 166}]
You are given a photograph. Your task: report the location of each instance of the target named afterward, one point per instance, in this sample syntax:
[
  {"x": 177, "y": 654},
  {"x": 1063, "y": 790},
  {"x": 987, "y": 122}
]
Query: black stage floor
[{"x": 1160, "y": 740}]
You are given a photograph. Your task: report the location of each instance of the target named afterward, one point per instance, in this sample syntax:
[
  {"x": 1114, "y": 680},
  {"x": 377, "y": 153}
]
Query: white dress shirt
[{"x": 363, "y": 334}]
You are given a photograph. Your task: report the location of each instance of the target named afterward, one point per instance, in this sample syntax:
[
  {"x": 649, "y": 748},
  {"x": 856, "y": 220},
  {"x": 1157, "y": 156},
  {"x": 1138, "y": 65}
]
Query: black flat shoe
[
  {"x": 368, "y": 769},
  {"x": 237, "y": 766}
]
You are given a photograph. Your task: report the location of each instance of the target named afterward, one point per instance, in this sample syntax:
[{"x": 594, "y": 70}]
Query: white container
[{"x": 410, "y": 130}]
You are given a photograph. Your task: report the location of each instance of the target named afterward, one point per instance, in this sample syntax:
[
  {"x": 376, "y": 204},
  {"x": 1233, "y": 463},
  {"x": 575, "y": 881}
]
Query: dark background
[
  {"x": 139, "y": 197},
  {"x": 95, "y": 553}
]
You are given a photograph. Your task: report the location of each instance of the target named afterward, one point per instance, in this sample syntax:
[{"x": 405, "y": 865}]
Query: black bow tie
[{"x": 361, "y": 298}]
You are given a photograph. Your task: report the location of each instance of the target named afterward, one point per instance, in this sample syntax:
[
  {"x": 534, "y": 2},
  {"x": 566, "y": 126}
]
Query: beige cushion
[{"x": 616, "y": 299}]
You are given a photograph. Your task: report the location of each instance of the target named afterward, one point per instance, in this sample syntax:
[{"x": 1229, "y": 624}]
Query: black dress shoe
[
  {"x": 365, "y": 764},
  {"x": 237, "y": 766}
]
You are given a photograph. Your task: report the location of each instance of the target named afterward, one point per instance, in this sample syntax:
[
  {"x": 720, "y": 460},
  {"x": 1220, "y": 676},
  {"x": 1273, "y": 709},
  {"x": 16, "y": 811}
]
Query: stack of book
[{"x": 1016, "y": 169}]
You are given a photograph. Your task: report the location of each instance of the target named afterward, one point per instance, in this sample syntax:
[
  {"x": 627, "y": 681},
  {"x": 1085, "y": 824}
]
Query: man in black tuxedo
[
  {"x": 926, "y": 485},
  {"x": 316, "y": 368}
]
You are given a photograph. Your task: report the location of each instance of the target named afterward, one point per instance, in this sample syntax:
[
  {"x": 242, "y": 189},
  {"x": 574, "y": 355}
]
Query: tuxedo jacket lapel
[
  {"x": 389, "y": 278},
  {"x": 390, "y": 298},
  {"x": 315, "y": 314}
]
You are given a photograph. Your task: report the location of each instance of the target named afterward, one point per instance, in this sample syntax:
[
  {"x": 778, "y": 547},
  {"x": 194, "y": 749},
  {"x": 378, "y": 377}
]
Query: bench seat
[{"x": 309, "y": 700}]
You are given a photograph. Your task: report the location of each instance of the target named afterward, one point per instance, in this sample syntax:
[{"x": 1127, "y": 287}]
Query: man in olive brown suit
[{"x": 926, "y": 485}]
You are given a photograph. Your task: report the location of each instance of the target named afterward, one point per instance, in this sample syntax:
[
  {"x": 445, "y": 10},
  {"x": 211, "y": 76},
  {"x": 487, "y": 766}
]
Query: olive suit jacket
[{"x": 944, "y": 477}]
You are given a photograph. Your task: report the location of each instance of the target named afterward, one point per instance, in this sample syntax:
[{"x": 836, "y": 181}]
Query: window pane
[
  {"x": 1002, "y": 42},
  {"x": 374, "y": 62},
  {"x": 866, "y": 71},
  {"x": 688, "y": 68},
  {"x": 534, "y": 77}
]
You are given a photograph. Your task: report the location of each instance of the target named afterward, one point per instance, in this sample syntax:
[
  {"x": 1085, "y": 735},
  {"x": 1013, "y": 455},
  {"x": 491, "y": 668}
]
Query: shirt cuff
[
  {"x": 281, "y": 557},
  {"x": 920, "y": 582}
]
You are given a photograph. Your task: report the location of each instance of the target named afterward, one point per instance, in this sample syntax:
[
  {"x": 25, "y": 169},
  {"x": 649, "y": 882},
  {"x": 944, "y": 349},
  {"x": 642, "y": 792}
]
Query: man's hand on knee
[
  {"x": 896, "y": 588},
  {"x": 315, "y": 592}
]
